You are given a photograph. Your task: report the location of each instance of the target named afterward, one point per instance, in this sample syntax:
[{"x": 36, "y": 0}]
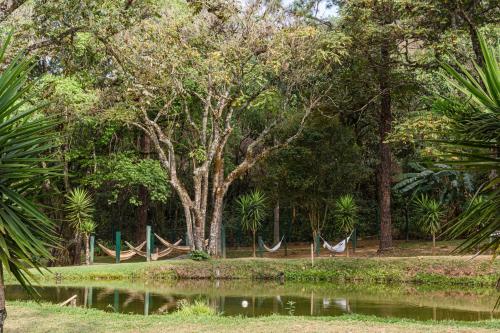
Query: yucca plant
[
  {"x": 346, "y": 214},
  {"x": 431, "y": 215},
  {"x": 80, "y": 209},
  {"x": 252, "y": 211},
  {"x": 26, "y": 234},
  {"x": 475, "y": 126}
]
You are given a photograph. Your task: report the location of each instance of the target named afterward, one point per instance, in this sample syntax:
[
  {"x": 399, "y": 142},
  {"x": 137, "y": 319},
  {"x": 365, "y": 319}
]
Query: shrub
[
  {"x": 198, "y": 308},
  {"x": 199, "y": 255}
]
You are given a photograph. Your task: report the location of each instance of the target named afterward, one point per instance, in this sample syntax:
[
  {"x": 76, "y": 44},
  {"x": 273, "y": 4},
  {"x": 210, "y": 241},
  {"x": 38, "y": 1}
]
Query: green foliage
[
  {"x": 198, "y": 308},
  {"x": 346, "y": 213},
  {"x": 25, "y": 232},
  {"x": 124, "y": 173},
  {"x": 252, "y": 210},
  {"x": 443, "y": 181},
  {"x": 430, "y": 213},
  {"x": 67, "y": 92},
  {"x": 476, "y": 130},
  {"x": 198, "y": 255},
  {"x": 80, "y": 210}
]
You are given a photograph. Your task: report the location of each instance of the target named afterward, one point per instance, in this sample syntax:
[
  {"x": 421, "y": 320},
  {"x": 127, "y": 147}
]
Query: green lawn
[
  {"x": 444, "y": 270},
  {"x": 34, "y": 318}
]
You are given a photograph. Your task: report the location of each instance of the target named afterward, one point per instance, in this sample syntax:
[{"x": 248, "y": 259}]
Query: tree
[
  {"x": 252, "y": 211},
  {"x": 431, "y": 214},
  {"x": 346, "y": 214},
  {"x": 313, "y": 171},
  {"x": 25, "y": 139},
  {"x": 196, "y": 83},
  {"x": 80, "y": 209}
]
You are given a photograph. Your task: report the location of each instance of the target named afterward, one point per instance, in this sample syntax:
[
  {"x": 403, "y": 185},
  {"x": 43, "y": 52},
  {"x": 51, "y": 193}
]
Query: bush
[
  {"x": 199, "y": 255},
  {"x": 198, "y": 308}
]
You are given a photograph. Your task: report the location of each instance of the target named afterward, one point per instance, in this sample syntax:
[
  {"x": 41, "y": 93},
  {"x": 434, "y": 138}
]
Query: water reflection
[{"x": 266, "y": 299}]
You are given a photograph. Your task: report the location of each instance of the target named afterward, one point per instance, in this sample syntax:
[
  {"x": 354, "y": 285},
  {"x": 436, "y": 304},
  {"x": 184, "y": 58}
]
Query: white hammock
[
  {"x": 274, "y": 248},
  {"x": 339, "y": 248}
]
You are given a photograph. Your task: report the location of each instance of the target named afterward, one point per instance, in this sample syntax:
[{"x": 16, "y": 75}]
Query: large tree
[{"x": 201, "y": 79}]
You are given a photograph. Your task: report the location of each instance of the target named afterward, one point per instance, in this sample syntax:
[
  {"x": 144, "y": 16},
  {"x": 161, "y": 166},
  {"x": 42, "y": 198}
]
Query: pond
[{"x": 252, "y": 298}]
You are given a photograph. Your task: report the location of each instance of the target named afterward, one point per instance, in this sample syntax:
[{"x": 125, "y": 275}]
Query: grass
[
  {"x": 32, "y": 317},
  {"x": 424, "y": 270}
]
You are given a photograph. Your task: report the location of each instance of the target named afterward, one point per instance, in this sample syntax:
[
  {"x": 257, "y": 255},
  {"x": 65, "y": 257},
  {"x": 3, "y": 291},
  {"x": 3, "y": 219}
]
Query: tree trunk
[
  {"x": 77, "y": 259},
  {"x": 384, "y": 169},
  {"x": 433, "y": 242},
  {"x": 87, "y": 250},
  {"x": 277, "y": 222},
  {"x": 189, "y": 226},
  {"x": 142, "y": 215},
  {"x": 142, "y": 210},
  {"x": 3, "y": 310},
  {"x": 253, "y": 243},
  {"x": 315, "y": 234},
  {"x": 476, "y": 46},
  {"x": 215, "y": 224}
]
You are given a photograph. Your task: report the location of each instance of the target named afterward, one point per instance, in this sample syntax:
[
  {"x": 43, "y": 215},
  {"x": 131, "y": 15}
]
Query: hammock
[
  {"x": 124, "y": 255},
  {"x": 181, "y": 248},
  {"x": 275, "y": 247},
  {"x": 154, "y": 256},
  {"x": 339, "y": 248}
]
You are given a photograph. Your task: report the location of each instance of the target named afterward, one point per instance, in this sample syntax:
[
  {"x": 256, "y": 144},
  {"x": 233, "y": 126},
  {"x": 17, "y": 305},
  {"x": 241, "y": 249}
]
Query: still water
[{"x": 264, "y": 298}]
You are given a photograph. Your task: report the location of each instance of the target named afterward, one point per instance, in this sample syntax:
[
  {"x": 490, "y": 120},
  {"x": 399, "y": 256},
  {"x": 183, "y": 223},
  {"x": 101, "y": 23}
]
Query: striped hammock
[{"x": 124, "y": 255}]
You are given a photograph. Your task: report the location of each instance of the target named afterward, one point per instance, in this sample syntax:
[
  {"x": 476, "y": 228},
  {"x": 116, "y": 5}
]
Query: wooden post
[
  {"x": 118, "y": 241},
  {"x": 148, "y": 243},
  {"x": 92, "y": 243},
  {"x": 187, "y": 239},
  {"x": 312, "y": 255}
]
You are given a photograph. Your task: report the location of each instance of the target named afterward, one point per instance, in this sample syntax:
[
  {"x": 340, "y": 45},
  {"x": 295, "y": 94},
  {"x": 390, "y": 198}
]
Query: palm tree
[
  {"x": 431, "y": 214},
  {"x": 252, "y": 211},
  {"x": 346, "y": 214},
  {"x": 26, "y": 233},
  {"x": 79, "y": 210},
  {"x": 475, "y": 124}
]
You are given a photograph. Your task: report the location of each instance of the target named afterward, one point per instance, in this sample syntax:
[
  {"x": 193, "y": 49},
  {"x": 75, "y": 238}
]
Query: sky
[{"x": 323, "y": 11}]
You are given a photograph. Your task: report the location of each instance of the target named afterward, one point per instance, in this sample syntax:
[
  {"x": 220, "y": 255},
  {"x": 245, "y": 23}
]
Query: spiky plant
[
  {"x": 346, "y": 214},
  {"x": 430, "y": 213},
  {"x": 26, "y": 234},
  {"x": 475, "y": 126},
  {"x": 80, "y": 209},
  {"x": 252, "y": 211}
]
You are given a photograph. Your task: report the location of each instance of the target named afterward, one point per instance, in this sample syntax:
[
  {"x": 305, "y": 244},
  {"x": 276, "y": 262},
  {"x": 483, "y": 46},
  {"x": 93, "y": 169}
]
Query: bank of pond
[{"x": 263, "y": 298}]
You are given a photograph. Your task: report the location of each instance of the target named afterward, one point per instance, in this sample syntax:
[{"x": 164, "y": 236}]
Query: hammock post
[
  {"x": 92, "y": 242},
  {"x": 148, "y": 243},
  {"x": 187, "y": 239},
  {"x": 118, "y": 242}
]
